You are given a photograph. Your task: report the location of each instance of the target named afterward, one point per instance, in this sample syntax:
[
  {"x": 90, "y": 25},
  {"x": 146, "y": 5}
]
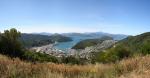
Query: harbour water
[{"x": 68, "y": 45}]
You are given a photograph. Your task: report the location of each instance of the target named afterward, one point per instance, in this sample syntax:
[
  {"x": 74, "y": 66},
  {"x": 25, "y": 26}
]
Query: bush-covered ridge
[
  {"x": 129, "y": 47},
  {"x": 31, "y": 40},
  {"x": 90, "y": 42}
]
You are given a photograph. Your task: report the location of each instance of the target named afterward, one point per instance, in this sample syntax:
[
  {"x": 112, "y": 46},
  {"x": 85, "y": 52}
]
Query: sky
[{"x": 129, "y": 17}]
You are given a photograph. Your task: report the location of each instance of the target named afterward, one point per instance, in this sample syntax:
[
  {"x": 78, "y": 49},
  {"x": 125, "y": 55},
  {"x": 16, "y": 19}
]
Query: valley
[
  {"x": 74, "y": 38},
  {"x": 66, "y": 49},
  {"x": 86, "y": 58}
]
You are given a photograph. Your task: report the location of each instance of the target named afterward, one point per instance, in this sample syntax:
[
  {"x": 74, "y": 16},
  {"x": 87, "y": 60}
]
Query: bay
[{"x": 68, "y": 45}]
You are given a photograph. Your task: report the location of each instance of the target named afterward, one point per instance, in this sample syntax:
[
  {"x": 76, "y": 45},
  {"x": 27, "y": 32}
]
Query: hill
[
  {"x": 90, "y": 42},
  {"x": 30, "y": 40},
  {"x": 137, "y": 43},
  {"x": 60, "y": 38},
  {"x": 128, "y": 47}
]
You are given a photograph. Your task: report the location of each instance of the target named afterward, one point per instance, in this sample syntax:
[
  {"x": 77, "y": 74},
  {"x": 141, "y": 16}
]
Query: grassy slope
[{"x": 137, "y": 67}]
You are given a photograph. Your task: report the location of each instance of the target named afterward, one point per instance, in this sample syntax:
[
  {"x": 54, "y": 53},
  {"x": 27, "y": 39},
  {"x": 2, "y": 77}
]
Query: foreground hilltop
[{"x": 136, "y": 67}]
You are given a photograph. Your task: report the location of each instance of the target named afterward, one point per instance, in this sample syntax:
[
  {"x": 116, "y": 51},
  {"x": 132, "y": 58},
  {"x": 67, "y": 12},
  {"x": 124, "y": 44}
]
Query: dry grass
[{"x": 137, "y": 67}]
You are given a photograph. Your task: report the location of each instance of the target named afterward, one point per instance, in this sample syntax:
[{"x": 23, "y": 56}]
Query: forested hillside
[
  {"x": 90, "y": 42},
  {"x": 31, "y": 40},
  {"x": 128, "y": 47}
]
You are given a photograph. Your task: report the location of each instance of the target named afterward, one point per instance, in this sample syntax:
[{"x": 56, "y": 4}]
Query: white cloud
[{"x": 56, "y": 28}]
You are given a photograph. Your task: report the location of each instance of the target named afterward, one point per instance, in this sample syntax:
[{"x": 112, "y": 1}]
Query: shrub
[
  {"x": 40, "y": 57},
  {"x": 145, "y": 49},
  {"x": 112, "y": 55},
  {"x": 10, "y": 44},
  {"x": 70, "y": 60}
]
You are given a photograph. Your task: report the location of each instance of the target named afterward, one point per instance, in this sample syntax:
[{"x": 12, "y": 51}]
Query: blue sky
[{"x": 61, "y": 16}]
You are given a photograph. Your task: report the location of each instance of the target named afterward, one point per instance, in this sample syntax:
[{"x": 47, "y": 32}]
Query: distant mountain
[
  {"x": 30, "y": 40},
  {"x": 97, "y": 35},
  {"x": 77, "y": 34},
  {"x": 91, "y": 42},
  {"x": 43, "y": 33},
  {"x": 90, "y": 34}
]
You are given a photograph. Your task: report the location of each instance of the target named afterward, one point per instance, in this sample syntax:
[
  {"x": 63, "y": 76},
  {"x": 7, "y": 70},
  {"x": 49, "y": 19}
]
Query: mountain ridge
[
  {"x": 30, "y": 40},
  {"x": 89, "y": 34}
]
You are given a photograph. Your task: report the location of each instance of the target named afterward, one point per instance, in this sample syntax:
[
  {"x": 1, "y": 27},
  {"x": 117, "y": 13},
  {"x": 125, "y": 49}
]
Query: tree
[
  {"x": 71, "y": 60},
  {"x": 10, "y": 44}
]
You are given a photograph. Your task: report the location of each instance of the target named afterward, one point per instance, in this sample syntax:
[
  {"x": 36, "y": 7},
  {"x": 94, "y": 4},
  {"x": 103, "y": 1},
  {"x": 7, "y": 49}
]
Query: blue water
[{"x": 67, "y": 45}]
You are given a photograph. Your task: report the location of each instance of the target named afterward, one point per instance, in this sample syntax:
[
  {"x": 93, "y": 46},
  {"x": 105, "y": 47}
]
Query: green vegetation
[
  {"x": 40, "y": 57},
  {"x": 86, "y": 43},
  {"x": 135, "y": 67},
  {"x": 129, "y": 47},
  {"x": 112, "y": 55},
  {"x": 71, "y": 60},
  {"x": 31, "y": 40},
  {"x": 59, "y": 38},
  {"x": 9, "y": 43},
  {"x": 90, "y": 42},
  {"x": 135, "y": 45},
  {"x": 11, "y": 46},
  {"x": 35, "y": 65}
]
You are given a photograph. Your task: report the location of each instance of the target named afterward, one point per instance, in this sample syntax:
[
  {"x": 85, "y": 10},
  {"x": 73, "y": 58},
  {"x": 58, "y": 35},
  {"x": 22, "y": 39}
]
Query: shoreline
[{"x": 82, "y": 53}]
